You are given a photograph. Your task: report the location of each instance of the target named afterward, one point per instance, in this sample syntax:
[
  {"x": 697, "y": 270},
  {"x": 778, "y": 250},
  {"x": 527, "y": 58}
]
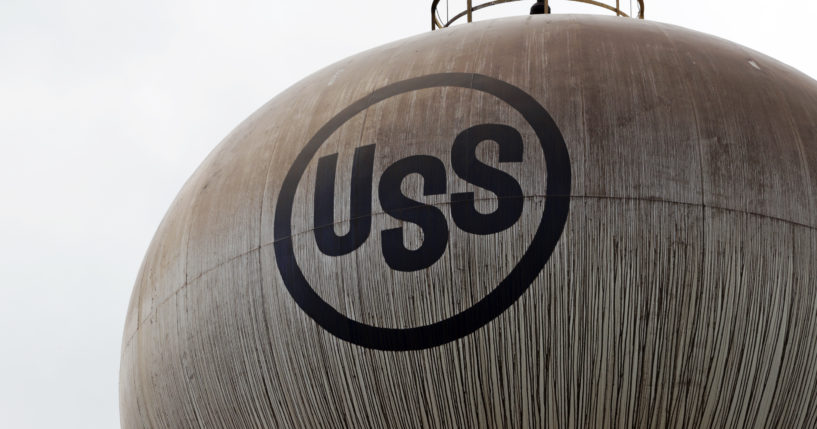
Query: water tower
[{"x": 539, "y": 221}]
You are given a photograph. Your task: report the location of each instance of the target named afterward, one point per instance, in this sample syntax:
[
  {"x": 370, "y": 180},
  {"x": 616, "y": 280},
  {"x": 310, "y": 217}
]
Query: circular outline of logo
[{"x": 554, "y": 217}]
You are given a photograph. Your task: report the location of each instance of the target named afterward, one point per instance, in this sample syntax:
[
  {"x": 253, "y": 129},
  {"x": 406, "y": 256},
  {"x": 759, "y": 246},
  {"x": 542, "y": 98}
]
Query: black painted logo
[{"x": 428, "y": 218}]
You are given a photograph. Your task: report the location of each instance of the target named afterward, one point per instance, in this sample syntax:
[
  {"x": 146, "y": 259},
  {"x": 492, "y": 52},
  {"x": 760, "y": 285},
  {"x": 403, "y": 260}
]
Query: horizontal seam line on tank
[
  {"x": 188, "y": 283},
  {"x": 600, "y": 197},
  {"x": 416, "y": 206}
]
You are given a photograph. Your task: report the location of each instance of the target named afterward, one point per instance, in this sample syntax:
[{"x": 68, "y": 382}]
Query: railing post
[{"x": 433, "y": 18}]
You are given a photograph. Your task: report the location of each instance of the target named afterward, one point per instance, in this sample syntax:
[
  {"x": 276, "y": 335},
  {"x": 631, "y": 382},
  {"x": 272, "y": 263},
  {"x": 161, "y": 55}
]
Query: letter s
[
  {"x": 429, "y": 218},
  {"x": 469, "y": 168}
]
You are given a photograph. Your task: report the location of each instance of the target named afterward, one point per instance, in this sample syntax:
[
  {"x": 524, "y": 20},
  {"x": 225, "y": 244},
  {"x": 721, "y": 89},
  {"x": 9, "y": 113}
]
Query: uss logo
[
  {"x": 361, "y": 236},
  {"x": 428, "y": 217}
]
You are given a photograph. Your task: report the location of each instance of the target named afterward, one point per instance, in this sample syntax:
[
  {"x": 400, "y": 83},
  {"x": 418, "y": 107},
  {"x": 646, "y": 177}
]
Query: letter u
[{"x": 360, "y": 220}]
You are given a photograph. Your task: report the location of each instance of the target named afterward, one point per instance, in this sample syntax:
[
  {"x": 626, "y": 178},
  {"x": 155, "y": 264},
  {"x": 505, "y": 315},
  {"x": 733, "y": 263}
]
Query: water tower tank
[{"x": 540, "y": 221}]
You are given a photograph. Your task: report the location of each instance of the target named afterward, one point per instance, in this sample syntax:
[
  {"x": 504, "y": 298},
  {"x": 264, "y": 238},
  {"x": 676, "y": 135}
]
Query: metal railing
[{"x": 437, "y": 22}]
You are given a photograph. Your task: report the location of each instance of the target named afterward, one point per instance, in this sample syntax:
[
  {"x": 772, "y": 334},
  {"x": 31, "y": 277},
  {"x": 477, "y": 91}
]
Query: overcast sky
[{"x": 107, "y": 107}]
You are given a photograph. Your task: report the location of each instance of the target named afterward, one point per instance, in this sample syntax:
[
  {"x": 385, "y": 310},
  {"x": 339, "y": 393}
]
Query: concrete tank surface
[{"x": 546, "y": 221}]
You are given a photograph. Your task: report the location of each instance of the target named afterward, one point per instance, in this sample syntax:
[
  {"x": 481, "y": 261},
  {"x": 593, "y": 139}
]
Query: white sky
[{"x": 107, "y": 106}]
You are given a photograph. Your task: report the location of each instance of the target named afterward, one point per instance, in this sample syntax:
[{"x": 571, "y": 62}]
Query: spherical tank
[{"x": 542, "y": 221}]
